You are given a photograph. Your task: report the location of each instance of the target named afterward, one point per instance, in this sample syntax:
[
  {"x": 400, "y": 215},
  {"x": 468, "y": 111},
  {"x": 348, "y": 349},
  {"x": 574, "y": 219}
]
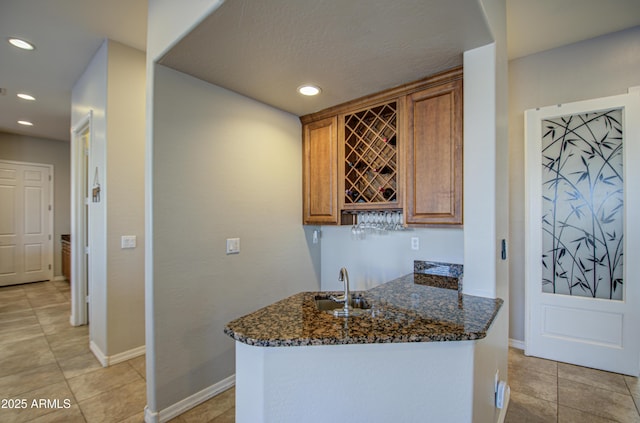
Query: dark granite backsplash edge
[{"x": 438, "y": 274}]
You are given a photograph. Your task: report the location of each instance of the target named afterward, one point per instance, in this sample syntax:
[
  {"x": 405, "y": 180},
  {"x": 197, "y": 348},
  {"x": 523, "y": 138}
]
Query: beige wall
[
  {"x": 23, "y": 148},
  {"x": 125, "y": 206},
  {"x": 113, "y": 87},
  {"x": 600, "y": 67},
  {"x": 224, "y": 166}
]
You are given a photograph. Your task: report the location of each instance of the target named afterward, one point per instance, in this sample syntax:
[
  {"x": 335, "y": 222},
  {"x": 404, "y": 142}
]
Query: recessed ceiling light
[
  {"x": 25, "y": 123},
  {"x": 26, "y": 96},
  {"x": 309, "y": 90},
  {"x": 17, "y": 42}
]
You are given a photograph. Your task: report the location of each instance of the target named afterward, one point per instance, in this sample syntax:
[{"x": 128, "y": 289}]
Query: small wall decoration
[{"x": 96, "y": 188}]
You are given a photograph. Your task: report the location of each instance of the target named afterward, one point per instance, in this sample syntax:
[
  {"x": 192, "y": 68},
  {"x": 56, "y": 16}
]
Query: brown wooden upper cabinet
[
  {"x": 434, "y": 155},
  {"x": 319, "y": 176},
  {"x": 398, "y": 149}
]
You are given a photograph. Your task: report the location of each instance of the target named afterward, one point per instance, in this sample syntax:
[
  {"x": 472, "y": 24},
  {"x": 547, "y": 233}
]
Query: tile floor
[
  {"x": 548, "y": 391},
  {"x": 43, "y": 357}
]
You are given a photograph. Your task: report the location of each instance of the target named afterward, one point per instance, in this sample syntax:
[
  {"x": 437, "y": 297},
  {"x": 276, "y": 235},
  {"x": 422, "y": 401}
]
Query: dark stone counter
[{"x": 402, "y": 310}]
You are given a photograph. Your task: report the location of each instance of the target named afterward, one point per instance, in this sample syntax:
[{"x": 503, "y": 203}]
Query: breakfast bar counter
[
  {"x": 419, "y": 351},
  {"x": 402, "y": 310}
]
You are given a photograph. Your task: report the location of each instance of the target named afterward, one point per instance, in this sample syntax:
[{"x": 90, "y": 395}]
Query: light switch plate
[
  {"x": 128, "y": 241},
  {"x": 233, "y": 245}
]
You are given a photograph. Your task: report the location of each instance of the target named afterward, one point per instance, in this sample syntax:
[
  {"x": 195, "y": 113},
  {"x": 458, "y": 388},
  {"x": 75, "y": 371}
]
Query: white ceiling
[
  {"x": 66, "y": 33},
  {"x": 262, "y": 48},
  {"x": 266, "y": 49}
]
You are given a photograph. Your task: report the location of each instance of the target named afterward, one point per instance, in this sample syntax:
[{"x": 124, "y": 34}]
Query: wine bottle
[{"x": 389, "y": 194}]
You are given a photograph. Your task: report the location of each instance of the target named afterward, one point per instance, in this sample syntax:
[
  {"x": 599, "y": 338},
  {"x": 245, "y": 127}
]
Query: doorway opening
[{"x": 81, "y": 136}]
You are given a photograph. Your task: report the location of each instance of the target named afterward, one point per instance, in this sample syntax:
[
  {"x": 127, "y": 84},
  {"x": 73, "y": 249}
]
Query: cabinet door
[
  {"x": 434, "y": 155},
  {"x": 320, "y": 159}
]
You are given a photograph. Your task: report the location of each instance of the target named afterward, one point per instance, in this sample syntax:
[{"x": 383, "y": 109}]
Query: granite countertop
[{"x": 402, "y": 310}]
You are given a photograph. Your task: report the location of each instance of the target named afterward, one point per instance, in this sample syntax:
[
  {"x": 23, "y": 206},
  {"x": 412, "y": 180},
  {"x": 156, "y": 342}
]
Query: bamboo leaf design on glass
[{"x": 582, "y": 205}]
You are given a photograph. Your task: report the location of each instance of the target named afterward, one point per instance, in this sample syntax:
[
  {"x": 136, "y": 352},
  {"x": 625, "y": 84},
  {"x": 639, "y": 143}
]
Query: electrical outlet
[
  {"x": 415, "y": 243},
  {"x": 233, "y": 245}
]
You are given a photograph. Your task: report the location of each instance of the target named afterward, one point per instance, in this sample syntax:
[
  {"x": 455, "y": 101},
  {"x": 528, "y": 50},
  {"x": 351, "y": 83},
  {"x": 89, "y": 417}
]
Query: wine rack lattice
[{"x": 371, "y": 170}]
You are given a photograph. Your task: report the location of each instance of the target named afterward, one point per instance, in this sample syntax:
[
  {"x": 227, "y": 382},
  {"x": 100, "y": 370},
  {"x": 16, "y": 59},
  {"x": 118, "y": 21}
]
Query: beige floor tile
[
  {"x": 211, "y": 408},
  {"x": 43, "y": 299},
  {"x": 56, "y": 394},
  {"x": 136, "y": 418},
  {"x": 54, "y": 319},
  {"x": 70, "y": 415},
  {"x": 524, "y": 408},
  {"x": 68, "y": 333},
  {"x": 79, "y": 365},
  {"x": 571, "y": 415},
  {"x": 24, "y": 321},
  {"x": 20, "y": 330},
  {"x": 16, "y": 357},
  {"x": 228, "y": 416},
  {"x": 16, "y": 305},
  {"x": 54, "y": 314},
  {"x": 533, "y": 383},
  {"x": 517, "y": 359},
  {"x": 10, "y": 295},
  {"x": 601, "y": 379},
  {"x": 11, "y": 288},
  {"x": 117, "y": 404},
  {"x": 66, "y": 349},
  {"x": 62, "y": 285},
  {"x": 55, "y": 327},
  {"x": 16, "y": 316},
  {"x": 99, "y": 381},
  {"x": 29, "y": 380},
  {"x": 633, "y": 383},
  {"x": 598, "y": 401},
  {"x": 140, "y": 365}
]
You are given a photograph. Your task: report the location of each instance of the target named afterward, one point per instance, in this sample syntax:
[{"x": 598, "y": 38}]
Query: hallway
[{"x": 42, "y": 357}]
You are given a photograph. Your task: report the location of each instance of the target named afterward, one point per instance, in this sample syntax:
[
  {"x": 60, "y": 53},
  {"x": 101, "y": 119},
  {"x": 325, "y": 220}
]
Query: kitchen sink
[{"x": 358, "y": 305}]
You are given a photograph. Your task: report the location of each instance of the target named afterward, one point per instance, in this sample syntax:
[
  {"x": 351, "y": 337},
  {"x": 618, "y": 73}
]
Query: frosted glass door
[
  {"x": 582, "y": 240},
  {"x": 583, "y": 205}
]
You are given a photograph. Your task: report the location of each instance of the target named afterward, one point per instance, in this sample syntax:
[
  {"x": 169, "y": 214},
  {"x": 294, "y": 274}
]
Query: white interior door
[
  {"x": 26, "y": 245},
  {"x": 582, "y": 267}
]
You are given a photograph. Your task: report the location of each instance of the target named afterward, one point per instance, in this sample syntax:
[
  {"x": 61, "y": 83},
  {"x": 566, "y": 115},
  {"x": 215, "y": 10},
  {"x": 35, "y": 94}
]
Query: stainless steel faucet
[{"x": 343, "y": 276}]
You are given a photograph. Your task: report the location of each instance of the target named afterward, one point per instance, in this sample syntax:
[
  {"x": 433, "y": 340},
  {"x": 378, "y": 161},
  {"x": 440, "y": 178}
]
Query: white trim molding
[
  {"x": 110, "y": 360},
  {"x": 189, "y": 402},
  {"x": 79, "y": 309},
  {"x": 515, "y": 343}
]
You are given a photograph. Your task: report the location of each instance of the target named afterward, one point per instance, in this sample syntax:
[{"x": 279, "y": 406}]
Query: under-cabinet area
[{"x": 399, "y": 150}]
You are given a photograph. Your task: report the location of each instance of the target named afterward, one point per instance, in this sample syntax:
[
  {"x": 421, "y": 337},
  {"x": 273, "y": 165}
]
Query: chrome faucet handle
[{"x": 338, "y": 298}]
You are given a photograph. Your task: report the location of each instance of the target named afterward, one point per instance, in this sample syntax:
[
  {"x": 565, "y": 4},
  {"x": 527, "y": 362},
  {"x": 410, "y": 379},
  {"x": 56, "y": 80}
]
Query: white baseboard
[
  {"x": 59, "y": 278},
  {"x": 514, "y": 343},
  {"x": 102, "y": 358},
  {"x": 110, "y": 360},
  {"x": 189, "y": 402},
  {"x": 127, "y": 355}
]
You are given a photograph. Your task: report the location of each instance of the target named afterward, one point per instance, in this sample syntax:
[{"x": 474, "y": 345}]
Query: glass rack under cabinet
[{"x": 371, "y": 158}]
